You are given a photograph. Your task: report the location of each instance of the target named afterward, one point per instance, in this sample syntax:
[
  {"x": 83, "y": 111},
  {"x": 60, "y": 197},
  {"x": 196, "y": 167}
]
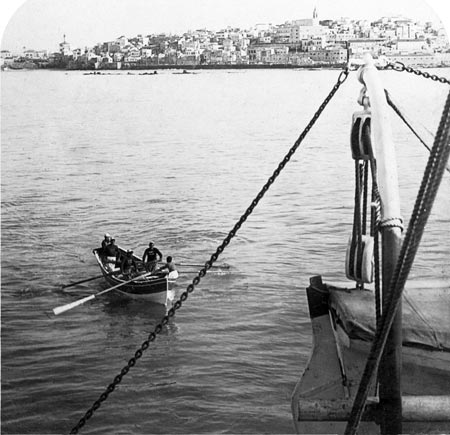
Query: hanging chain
[
  {"x": 177, "y": 305},
  {"x": 399, "y": 66}
]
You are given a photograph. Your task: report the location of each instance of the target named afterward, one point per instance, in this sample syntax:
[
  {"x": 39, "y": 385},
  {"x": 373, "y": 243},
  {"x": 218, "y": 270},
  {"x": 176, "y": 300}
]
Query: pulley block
[
  {"x": 359, "y": 264},
  {"x": 360, "y": 141}
]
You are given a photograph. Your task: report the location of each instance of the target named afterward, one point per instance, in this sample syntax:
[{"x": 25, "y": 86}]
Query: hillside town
[{"x": 307, "y": 42}]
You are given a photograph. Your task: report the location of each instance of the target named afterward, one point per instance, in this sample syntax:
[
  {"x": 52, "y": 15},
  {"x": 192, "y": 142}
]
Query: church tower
[
  {"x": 315, "y": 20},
  {"x": 64, "y": 47}
]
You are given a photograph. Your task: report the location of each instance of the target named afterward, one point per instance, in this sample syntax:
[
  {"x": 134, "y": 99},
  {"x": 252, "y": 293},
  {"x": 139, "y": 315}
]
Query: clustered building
[{"x": 304, "y": 42}]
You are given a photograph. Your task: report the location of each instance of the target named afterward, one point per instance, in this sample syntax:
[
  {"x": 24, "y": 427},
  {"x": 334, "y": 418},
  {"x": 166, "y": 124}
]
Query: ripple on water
[{"x": 180, "y": 174}]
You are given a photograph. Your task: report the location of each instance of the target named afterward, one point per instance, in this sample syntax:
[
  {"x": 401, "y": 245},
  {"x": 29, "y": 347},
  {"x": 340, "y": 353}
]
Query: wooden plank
[{"x": 416, "y": 409}]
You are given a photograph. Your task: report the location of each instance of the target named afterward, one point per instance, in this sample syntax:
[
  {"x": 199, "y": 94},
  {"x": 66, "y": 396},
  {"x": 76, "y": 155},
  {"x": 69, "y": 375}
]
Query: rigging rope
[
  {"x": 208, "y": 264},
  {"x": 431, "y": 180},
  {"x": 402, "y": 117},
  {"x": 375, "y": 233}
]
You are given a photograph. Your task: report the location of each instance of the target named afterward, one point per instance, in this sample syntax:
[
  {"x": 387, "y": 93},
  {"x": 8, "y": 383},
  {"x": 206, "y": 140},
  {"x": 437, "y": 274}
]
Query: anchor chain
[
  {"x": 399, "y": 66},
  {"x": 208, "y": 264}
]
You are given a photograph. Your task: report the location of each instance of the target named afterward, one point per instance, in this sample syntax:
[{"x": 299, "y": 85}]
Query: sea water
[{"x": 177, "y": 159}]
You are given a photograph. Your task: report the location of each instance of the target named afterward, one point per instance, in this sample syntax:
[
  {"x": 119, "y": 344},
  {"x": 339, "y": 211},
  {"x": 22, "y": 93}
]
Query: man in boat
[
  {"x": 105, "y": 242},
  {"x": 168, "y": 268},
  {"x": 112, "y": 255},
  {"x": 128, "y": 266},
  {"x": 150, "y": 257}
]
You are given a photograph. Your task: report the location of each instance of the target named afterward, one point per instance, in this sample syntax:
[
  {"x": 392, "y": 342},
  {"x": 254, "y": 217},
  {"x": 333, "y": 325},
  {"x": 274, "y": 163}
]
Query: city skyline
[{"x": 41, "y": 24}]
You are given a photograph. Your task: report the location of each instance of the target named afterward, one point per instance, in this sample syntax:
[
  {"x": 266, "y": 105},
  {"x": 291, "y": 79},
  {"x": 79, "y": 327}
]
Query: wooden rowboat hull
[{"x": 151, "y": 288}]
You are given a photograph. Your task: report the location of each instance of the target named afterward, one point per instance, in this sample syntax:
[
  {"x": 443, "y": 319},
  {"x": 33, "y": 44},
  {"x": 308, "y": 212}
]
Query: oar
[
  {"x": 212, "y": 272},
  {"x": 67, "y": 307},
  {"x": 219, "y": 266},
  {"x": 89, "y": 279}
]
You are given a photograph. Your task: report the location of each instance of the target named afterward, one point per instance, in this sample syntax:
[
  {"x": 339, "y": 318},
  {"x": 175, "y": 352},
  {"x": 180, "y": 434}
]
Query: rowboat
[
  {"x": 151, "y": 288},
  {"x": 380, "y": 359}
]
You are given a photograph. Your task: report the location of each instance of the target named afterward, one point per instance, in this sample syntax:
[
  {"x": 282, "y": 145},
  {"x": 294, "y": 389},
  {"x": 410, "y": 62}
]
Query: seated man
[
  {"x": 150, "y": 257},
  {"x": 128, "y": 266},
  {"x": 168, "y": 268}
]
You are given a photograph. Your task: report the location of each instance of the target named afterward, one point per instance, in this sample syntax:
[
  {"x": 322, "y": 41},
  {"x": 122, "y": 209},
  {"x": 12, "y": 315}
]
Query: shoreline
[
  {"x": 162, "y": 67},
  {"x": 190, "y": 68}
]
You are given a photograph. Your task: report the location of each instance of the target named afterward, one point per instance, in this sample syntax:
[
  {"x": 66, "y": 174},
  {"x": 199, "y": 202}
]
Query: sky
[{"x": 41, "y": 24}]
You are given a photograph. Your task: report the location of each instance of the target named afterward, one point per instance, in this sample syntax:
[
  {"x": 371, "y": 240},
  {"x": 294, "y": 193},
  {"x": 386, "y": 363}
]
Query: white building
[
  {"x": 415, "y": 60},
  {"x": 358, "y": 47},
  {"x": 64, "y": 48},
  {"x": 332, "y": 55},
  {"x": 133, "y": 55},
  {"x": 146, "y": 52},
  {"x": 260, "y": 29},
  {"x": 6, "y": 54},
  {"x": 412, "y": 45},
  {"x": 305, "y": 28},
  {"x": 35, "y": 54},
  {"x": 268, "y": 53}
]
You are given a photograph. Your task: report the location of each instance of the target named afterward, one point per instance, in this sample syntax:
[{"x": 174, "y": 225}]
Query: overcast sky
[{"x": 40, "y": 24}]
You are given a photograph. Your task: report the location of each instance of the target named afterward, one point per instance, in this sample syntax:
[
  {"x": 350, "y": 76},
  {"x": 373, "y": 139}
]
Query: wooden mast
[{"x": 391, "y": 363}]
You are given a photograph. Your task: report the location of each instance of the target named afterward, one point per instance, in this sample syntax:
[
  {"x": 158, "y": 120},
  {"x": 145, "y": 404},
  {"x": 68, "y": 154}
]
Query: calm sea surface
[{"x": 177, "y": 159}]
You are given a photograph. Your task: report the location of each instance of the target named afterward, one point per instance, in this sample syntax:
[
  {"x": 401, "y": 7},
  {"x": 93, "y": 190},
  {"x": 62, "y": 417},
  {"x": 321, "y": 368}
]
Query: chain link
[
  {"x": 190, "y": 288},
  {"x": 399, "y": 66}
]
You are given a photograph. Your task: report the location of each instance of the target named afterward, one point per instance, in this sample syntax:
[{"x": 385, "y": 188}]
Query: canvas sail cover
[{"x": 426, "y": 315}]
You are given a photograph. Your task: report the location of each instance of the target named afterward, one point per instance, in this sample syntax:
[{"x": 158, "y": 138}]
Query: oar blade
[
  {"x": 67, "y": 307},
  {"x": 63, "y": 308}
]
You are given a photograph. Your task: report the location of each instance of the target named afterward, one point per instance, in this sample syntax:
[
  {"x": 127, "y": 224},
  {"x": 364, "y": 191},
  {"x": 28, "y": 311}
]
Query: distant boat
[{"x": 185, "y": 72}]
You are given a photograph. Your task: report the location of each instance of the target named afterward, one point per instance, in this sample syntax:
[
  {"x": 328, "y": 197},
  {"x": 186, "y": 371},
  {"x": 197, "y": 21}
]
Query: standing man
[
  {"x": 150, "y": 257},
  {"x": 112, "y": 255}
]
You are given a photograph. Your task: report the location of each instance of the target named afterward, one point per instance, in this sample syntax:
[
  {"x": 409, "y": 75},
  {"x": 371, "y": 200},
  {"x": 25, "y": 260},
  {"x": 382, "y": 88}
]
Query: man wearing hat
[{"x": 106, "y": 241}]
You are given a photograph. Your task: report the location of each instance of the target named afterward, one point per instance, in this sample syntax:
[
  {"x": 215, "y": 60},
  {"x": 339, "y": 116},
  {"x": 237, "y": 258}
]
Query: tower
[
  {"x": 315, "y": 20},
  {"x": 64, "y": 47}
]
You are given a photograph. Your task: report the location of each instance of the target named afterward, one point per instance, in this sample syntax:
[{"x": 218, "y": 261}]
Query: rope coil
[{"x": 392, "y": 223}]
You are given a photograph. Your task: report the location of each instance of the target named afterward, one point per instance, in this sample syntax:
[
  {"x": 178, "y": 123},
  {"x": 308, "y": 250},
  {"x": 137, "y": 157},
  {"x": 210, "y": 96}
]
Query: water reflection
[{"x": 129, "y": 319}]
